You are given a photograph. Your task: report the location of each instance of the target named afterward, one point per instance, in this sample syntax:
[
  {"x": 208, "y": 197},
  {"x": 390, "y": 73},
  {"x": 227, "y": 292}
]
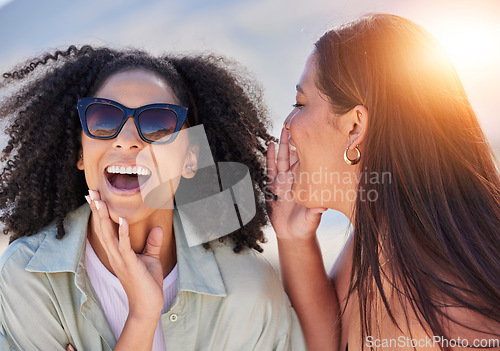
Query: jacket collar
[
  {"x": 62, "y": 255},
  {"x": 197, "y": 267}
]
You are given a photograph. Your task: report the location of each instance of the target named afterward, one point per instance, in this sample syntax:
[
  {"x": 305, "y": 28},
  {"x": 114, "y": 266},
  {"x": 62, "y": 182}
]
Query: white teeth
[{"x": 139, "y": 170}]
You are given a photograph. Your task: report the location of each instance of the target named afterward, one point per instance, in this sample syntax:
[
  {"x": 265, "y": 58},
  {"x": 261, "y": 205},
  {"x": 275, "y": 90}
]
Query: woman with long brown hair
[{"x": 383, "y": 131}]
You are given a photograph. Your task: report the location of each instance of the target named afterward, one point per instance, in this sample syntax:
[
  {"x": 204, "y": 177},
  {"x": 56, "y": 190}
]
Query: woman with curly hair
[
  {"x": 120, "y": 274},
  {"x": 383, "y": 132}
]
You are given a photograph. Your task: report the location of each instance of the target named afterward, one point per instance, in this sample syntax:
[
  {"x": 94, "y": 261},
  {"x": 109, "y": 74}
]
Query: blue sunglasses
[{"x": 156, "y": 123}]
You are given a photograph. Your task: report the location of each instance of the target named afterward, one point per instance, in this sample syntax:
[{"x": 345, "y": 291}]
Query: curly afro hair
[{"x": 40, "y": 182}]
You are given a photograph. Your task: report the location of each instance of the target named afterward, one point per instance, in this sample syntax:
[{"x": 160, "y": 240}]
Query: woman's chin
[
  {"x": 115, "y": 213},
  {"x": 302, "y": 195},
  {"x": 128, "y": 211},
  {"x": 312, "y": 197}
]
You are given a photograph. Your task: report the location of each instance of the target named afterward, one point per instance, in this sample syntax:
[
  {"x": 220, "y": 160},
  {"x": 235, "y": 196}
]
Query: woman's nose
[{"x": 129, "y": 137}]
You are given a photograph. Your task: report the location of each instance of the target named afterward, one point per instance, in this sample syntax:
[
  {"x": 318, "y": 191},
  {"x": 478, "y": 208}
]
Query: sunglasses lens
[
  {"x": 157, "y": 124},
  {"x": 103, "y": 120}
]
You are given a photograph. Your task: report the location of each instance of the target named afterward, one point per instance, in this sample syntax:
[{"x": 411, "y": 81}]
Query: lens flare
[{"x": 470, "y": 44}]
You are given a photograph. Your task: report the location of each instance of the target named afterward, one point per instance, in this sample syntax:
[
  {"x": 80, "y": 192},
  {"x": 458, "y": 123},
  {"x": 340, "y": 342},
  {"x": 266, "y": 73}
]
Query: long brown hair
[{"x": 437, "y": 222}]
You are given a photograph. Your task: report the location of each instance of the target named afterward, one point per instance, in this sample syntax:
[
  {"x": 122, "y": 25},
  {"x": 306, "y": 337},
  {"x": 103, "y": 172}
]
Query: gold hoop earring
[{"x": 348, "y": 160}]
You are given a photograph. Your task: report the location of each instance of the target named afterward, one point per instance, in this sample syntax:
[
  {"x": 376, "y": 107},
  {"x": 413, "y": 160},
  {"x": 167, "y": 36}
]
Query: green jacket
[{"x": 225, "y": 301}]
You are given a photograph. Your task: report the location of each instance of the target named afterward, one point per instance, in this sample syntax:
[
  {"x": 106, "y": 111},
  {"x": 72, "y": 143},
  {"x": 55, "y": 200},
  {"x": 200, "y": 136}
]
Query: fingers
[
  {"x": 106, "y": 224},
  {"x": 313, "y": 216},
  {"x": 271, "y": 161},
  {"x": 104, "y": 227},
  {"x": 124, "y": 245},
  {"x": 121, "y": 246},
  {"x": 123, "y": 235},
  {"x": 92, "y": 197},
  {"x": 118, "y": 249},
  {"x": 70, "y": 348},
  {"x": 283, "y": 160},
  {"x": 153, "y": 243},
  {"x": 285, "y": 157},
  {"x": 138, "y": 273},
  {"x": 294, "y": 157}
]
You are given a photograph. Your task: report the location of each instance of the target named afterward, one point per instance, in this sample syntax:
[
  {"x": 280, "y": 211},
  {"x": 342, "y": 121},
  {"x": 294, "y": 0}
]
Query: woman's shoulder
[
  {"x": 31, "y": 308},
  {"x": 43, "y": 251},
  {"x": 17, "y": 284},
  {"x": 247, "y": 270},
  {"x": 248, "y": 260},
  {"x": 19, "y": 253}
]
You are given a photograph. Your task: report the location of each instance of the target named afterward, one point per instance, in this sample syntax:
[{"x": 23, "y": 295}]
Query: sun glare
[
  {"x": 473, "y": 45},
  {"x": 469, "y": 44}
]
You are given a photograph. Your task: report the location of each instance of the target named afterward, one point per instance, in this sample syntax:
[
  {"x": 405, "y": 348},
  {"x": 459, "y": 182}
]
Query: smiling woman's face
[
  {"x": 103, "y": 159},
  {"x": 322, "y": 178}
]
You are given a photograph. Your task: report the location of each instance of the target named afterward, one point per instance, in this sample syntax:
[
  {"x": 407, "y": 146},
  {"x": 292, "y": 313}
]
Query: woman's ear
[
  {"x": 191, "y": 162},
  {"x": 79, "y": 163},
  {"x": 358, "y": 123}
]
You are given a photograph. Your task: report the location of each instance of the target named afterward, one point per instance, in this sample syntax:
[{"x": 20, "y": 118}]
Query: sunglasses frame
[{"x": 85, "y": 103}]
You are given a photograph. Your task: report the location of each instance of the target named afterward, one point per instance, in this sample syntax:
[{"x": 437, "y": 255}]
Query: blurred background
[{"x": 272, "y": 38}]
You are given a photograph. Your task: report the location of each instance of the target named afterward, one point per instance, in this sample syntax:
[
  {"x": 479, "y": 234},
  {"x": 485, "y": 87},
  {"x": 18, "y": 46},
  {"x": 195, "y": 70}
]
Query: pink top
[{"x": 114, "y": 301}]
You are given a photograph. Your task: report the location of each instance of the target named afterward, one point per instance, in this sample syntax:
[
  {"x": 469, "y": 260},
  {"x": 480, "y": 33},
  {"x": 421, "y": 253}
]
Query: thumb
[
  {"x": 153, "y": 243},
  {"x": 313, "y": 216}
]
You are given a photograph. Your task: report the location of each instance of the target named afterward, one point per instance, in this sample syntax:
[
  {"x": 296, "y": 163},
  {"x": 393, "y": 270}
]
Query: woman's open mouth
[{"x": 127, "y": 178}]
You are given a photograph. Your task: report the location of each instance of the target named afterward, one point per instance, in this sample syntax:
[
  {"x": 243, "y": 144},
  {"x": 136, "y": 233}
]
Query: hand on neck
[{"x": 138, "y": 233}]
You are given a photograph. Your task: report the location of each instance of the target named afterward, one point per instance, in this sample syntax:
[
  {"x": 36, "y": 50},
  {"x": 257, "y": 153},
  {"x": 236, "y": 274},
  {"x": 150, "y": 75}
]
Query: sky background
[{"x": 272, "y": 38}]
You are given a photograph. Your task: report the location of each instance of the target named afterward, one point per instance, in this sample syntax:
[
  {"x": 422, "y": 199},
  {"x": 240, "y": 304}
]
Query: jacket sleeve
[
  {"x": 281, "y": 328},
  {"x": 293, "y": 340},
  {"x": 261, "y": 317}
]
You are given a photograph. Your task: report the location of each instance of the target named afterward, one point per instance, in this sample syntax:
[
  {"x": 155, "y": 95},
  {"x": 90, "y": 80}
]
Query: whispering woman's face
[
  {"x": 117, "y": 167},
  {"x": 321, "y": 176}
]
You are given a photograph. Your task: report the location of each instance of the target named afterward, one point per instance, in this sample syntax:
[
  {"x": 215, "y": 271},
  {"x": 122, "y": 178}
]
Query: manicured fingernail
[
  {"x": 93, "y": 194},
  {"x": 88, "y": 199},
  {"x": 120, "y": 221},
  {"x": 96, "y": 205}
]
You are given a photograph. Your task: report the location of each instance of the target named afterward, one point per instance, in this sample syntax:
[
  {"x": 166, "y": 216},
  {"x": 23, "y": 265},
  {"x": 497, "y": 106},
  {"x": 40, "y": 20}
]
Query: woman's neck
[{"x": 138, "y": 233}]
